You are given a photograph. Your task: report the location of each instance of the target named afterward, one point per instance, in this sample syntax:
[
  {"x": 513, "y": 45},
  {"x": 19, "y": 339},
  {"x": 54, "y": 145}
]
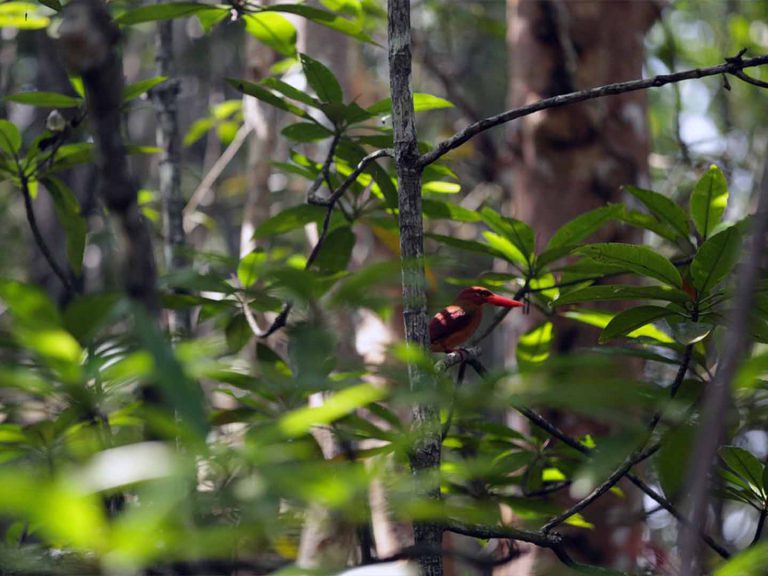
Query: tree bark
[
  {"x": 573, "y": 159},
  {"x": 425, "y": 453}
]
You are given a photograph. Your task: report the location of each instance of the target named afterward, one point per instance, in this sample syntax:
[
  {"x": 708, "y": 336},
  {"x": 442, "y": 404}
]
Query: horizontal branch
[
  {"x": 544, "y": 540},
  {"x": 733, "y": 66}
]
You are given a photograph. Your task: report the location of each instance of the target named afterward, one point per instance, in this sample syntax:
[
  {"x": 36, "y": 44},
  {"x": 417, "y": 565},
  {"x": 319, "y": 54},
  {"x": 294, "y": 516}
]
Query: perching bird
[{"x": 454, "y": 324}]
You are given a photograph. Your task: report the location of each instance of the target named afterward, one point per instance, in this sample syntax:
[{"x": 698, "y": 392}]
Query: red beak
[{"x": 497, "y": 300}]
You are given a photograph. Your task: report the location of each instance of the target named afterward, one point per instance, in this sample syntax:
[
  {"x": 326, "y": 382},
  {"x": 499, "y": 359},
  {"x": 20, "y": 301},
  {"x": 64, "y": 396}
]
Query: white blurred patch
[
  {"x": 372, "y": 338},
  {"x": 125, "y": 465},
  {"x": 386, "y": 569}
]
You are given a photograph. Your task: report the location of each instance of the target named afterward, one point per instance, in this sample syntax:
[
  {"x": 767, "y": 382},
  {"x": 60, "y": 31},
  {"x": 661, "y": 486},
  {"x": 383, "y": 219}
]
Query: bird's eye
[{"x": 486, "y": 293}]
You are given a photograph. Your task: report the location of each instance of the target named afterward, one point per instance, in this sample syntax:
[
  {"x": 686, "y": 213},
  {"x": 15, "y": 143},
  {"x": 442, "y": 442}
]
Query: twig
[
  {"x": 731, "y": 66},
  {"x": 544, "y": 540},
  {"x": 281, "y": 319},
  {"x": 39, "y": 240},
  {"x": 556, "y": 432},
  {"x": 213, "y": 174},
  {"x": 760, "y": 525}
]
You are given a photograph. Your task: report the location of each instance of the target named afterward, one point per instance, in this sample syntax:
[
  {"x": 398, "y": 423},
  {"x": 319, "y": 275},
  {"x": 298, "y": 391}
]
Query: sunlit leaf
[
  {"x": 45, "y": 99},
  {"x": 708, "y": 201},
  {"x": 272, "y": 29}
]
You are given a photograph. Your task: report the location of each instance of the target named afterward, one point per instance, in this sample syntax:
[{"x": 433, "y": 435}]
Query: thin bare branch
[{"x": 731, "y": 66}]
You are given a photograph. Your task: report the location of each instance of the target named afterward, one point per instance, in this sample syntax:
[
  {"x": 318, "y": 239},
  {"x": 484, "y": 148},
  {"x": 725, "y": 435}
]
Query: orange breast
[{"x": 453, "y": 326}]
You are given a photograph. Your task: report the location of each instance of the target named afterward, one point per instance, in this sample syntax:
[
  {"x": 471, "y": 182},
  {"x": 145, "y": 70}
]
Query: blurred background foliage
[{"x": 223, "y": 471}]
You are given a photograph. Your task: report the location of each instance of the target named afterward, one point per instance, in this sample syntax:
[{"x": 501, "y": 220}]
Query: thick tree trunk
[{"x": 573, "y": 159}]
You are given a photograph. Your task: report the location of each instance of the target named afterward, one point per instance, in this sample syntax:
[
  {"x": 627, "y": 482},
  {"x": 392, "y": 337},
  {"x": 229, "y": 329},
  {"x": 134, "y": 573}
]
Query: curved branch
[{"x": 733, "y": 66}]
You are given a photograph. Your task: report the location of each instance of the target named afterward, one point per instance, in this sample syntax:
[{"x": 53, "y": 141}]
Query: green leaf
[
  {"x": 648, "y": 222},
  {"x": 671, "y": 459},
  {"x": 746, "y": 466},
  {"x": 272, "y": 29},
  {"x": 323, "y": 18},
  {"x": 290, "y": 91},
  {"x": 715, "y": 259},
  {"x": 164, "y": 11},
  {"x": 321, "y": 79},
  {"x": 336, "y": 251},
  {"x": 708, "y": 201},
  {"x": 638, "y": 259},
  {"x": 440, "y": 187},
  {"x": 533, "y": 347},
  {"x": 686, "y": 332},
  {"x": 261, "y": 93},
  {"x": 663, "y": 208},
  {"x": 52, "y": 4},
  {"x": 750, "y": 562},
  {"x": 138, "y": 88},
  {"x": 22, "y": 16},
  {"x": 182, "y": 393},
  {"x": 622, "y": 292},
  {"x": 516, "y": 231},
  {"x": 441, "y": 209},
  {"x": 583, "y": 226},
  {"x": 306, "y": 132},
  {"x": 45, "y": 99},
  {"x": 86, "y": 314},
  {"x": 68, "y": 213},
  {"x": 289, "y": 219},
  {"x": 469, "y": 245},
  {"x": 10, "y": 138},
  {"x": 421, "y": 103},
  {"x": 249, "y": 267},
  {"x": 507, "y": 249},
  {"x": 628, "y": 321},
  {"x": 601, "y": 319},
  {"x": 345, "y": 402}
]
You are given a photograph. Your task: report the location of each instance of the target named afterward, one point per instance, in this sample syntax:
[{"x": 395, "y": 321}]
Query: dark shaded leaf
[
  {"x": 638, "y": 259},
  {"x": 708, "y": 201}
]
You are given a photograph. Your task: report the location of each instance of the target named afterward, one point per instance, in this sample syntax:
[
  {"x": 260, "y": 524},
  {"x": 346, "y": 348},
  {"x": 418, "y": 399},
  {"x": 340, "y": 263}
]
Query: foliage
[{"x": 225, "y": 462}]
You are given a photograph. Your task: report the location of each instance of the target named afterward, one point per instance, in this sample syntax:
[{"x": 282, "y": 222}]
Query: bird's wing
[{"x": 450, "y": 321}]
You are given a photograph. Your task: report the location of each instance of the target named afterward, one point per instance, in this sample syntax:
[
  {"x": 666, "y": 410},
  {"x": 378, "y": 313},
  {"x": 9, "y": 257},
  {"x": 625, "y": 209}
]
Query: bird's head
[{"x": 478, "y": 296}]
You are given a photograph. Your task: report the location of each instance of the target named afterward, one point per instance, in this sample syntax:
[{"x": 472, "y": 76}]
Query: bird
[{"x": 456, "y": 323}]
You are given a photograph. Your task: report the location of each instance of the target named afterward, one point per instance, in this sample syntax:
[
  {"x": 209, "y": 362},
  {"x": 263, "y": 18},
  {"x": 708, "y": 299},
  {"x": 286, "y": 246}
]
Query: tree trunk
[{"x": 573, "y": 159}]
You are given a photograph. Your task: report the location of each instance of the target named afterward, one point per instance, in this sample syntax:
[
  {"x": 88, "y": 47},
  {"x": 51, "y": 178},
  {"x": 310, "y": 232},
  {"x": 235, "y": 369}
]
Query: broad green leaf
[
  {"x": 138, "y": 88},
  {"x": 289, "y": 219},
  {"x": 670, "y": 461},
  {"x": 715, "y": 259},
  {"x": 45, "y": 99},
  {"x": 439, "y": 187},
  {"x": 182, "y": 393},
  {"x": 648, "y": 222},
  {"x": 321, "y": 79},
  {"x": 68, "y": 213},
  {"x": 306, "y": 132},
  {"x": 249, "y": 268},
  {"x": 86, "y": 314},
  {"x": 516, "y": 231},
  {"x": 421, "y": 103},
  {"x": 272, "y": 29},
  {"x": 583, "y": 226},
  {"x": 22, "y": 15},
  {"x": 746, "y": 466},
  {"x": 209, "y": 18},
  {"x": 686, "y": 332},
  {"x": 509, "y": 251},
  {"x": 440, "y": 209},
  {"x": 533, "y": 347},
  {"x": 622, "y": 292},
  {"x": 750, "y": 562},
  {"x": 337, "y": 250},
  {"x": 197, "y": 130},
  {"x": 638, "y": 259},
  {"x": 346, "y": 401},
  {"x": 323, "y": 18},
  {"x": 52, "y": 4},
  {"x": 663, "y": 208},
  {"x": 601, "y": 319},
  {"x": 10, "y": 138},
  {"x": 290, "y": 91},
  {"x": 469, "y": 245},
  {"x": 708, "y": 201},
  {"x": 261, "y": 93},
  {"x": 164, "y": 11},
  {"x": 627, "y": 322}
]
